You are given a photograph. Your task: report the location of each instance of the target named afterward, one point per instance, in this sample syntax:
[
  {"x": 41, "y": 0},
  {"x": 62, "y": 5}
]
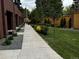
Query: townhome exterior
[
  {"x": 10, "y": 16},
  {"x": 1, "y": 22}
]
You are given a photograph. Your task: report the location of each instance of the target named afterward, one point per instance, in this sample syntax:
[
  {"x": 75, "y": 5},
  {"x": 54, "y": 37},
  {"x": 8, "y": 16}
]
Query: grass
[{"x": 64, "y": 42}]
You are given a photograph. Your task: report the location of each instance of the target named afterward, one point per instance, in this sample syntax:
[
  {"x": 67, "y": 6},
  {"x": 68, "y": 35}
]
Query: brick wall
[
  {"x": 11, "y": 7},
  {"x": 1, "y": 25}
]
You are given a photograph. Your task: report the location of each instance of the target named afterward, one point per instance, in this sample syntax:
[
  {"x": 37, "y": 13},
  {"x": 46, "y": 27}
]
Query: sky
[{"x": 30, "y": 4}]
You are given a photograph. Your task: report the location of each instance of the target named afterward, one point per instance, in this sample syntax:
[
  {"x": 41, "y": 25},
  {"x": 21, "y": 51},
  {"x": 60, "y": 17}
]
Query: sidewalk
[{"x": 34, "y": 47}]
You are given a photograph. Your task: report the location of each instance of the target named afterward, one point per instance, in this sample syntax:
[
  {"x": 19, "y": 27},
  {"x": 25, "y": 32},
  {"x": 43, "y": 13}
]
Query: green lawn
[{"x": 66, "y": 42}]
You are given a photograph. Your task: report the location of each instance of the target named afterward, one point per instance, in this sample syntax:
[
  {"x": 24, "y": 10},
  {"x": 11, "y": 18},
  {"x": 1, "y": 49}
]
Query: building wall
[
  {"x": 67, "y": 18},
  {"x": 1, "y": 25},
  {"x": 58, "y": 21},
  {"x": 20, "y": 16},
  {"x": 8, "y": 5},
  {"x": 11, "y": 7},
  {"x": 76, "y": 20}
]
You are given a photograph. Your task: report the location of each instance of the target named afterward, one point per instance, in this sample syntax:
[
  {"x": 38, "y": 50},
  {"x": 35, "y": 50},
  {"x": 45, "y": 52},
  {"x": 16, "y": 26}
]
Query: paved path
[{"x": 34, "y": 47}]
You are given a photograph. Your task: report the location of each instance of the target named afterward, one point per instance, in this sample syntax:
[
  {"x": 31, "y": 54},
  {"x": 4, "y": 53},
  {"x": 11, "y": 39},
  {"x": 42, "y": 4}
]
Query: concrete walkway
[{"x": 34, "y": 47}]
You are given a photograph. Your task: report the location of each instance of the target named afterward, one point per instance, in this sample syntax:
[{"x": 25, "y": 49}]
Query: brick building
[{"x": 10, "y": 16}]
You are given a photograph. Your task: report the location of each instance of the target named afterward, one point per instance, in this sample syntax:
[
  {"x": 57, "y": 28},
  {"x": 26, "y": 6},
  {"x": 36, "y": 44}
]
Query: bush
[
  {"x": 48, "y": 24},
  {"x": 15, "y": 34},
  {"x": 10, "y": 38},
  {"x": 35, "y": 27},
  {"x": 38, "y": 28},
  {"x": 41, "y": 29},
  {"x": 18, "y": 30},
  {"x": 44, "y": 30},
  {"x": 58, "y": 26},
  {"x": 7, "y": 42},
  {"x": 52, "y": 25}
]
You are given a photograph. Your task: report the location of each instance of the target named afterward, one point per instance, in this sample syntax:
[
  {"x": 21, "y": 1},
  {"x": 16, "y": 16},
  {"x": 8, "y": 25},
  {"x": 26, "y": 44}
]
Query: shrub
[
  {"x": 48, "y": 24},
  {"x": 52, "y": 25},
  {"x": 15, "y": 34},
  {"x": 58, "y": 26},
  {"x": 41, "y": 29},
  {"x": 7, "y": 42},
  {"x": 45, "y": 30},
  {"x": 18, "y": 30},
  {"x": 10, "y": 38},
  {"x": 35, "y": 27},
  {"x": 38, "y": 28}
]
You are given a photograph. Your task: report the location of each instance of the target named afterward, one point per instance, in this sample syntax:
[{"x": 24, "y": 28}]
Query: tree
[
  {"x": 49, "y": 8},
  {"x": 27, "y": 12},
  {"x": 75, "y": 5},
  {"x": 67, "y": 10},
  {"x": 24, "y": 11},
  {"x": 35, "y": 16},
  {"x": 71, "y": 8}
]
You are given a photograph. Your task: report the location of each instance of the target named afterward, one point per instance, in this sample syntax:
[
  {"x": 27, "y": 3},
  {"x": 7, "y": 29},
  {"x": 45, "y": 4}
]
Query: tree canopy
[
  {"x": 25, "y": 11},
  {"x": 67, "y": 10},
  {"x": 35, "y": 16},
  {"x": 46, "y": 8},
  {"x": 50, "y": 8}
]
